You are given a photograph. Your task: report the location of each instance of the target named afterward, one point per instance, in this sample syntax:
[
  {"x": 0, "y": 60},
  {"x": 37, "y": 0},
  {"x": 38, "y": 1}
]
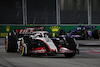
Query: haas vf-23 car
[{"x": 39, "y": 42}]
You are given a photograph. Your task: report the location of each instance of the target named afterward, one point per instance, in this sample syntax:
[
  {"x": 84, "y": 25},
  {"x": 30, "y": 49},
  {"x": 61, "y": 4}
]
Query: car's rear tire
[
  {"x": 95, "y": 34},
  {"x": 11, "y": 46}
]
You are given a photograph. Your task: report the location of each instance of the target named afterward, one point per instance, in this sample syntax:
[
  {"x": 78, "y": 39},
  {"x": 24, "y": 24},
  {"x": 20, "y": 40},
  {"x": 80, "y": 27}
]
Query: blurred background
[{"x": 49, "y": 12}]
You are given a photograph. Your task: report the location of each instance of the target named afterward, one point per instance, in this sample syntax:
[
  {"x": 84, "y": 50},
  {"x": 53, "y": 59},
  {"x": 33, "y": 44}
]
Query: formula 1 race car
[
  {"x": 31, "y": 41},
  {"x": 83, "y": 32}
]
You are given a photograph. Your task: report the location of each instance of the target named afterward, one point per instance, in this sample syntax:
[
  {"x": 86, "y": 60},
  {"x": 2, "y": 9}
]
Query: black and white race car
[{"x": 38, "y": 42}]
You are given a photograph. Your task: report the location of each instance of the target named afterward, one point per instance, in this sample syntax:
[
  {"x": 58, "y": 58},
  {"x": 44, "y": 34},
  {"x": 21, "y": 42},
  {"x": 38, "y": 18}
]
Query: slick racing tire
[
  {"x": 95, "y": 34},
  {"x": 12, "y": 44},
  {"x": 28, "y": 42},
  {"x": 71, "y": 44}
]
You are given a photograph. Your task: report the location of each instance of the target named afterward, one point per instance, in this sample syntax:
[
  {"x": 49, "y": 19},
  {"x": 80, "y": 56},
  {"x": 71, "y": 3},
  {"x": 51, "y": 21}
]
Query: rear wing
[
  {"x": 88, "y": 27},
  {"x": 29, "y": 30}
]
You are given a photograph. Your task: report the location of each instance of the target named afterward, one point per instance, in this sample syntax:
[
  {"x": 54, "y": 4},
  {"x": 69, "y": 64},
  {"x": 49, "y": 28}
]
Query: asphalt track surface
[{"x": 89, "y": 57}]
